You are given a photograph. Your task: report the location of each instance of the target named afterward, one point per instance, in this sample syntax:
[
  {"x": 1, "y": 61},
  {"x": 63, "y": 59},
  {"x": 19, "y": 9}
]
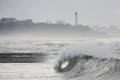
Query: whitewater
[{"x": 66, "y": 59}]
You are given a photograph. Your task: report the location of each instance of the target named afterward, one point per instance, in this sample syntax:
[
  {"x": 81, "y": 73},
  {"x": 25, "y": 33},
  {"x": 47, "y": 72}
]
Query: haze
[{"x": 90, "y": 12}]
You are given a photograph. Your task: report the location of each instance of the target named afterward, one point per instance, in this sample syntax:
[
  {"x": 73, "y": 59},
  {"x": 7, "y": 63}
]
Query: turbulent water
[{"x": 88, "y": 59}]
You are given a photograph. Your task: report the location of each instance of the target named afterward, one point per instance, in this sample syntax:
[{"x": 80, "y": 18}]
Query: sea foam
[{"x": 110, "y": 50}]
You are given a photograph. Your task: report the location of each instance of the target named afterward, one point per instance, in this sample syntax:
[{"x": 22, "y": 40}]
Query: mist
[
  {"x": 101, "y": 12},
  {"x": 45, "y": 30},
  {"x": 112, "y": 31}
]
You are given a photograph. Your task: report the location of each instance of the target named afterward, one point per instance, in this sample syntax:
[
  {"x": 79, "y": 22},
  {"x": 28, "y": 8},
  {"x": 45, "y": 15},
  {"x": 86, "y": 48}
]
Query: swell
[
  {"x": 90, "y": 61},
  {"x": 90, "y": 67}
]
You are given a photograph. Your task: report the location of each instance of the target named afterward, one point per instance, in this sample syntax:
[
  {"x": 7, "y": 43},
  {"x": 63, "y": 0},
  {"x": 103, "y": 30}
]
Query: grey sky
[{"x": 90, "y": 12}]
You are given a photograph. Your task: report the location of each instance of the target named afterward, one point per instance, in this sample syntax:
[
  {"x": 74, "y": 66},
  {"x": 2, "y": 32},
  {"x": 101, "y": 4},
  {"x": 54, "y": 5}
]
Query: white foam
[{"x": 91, "y": 49}]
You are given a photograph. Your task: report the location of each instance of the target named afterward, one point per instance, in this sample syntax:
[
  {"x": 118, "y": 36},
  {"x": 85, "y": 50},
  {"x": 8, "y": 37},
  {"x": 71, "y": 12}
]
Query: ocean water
[{"x": 99, "y": 61}]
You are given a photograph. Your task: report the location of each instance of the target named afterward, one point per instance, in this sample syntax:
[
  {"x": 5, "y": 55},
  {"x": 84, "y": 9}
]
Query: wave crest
[{"x": 87, "y": 66}]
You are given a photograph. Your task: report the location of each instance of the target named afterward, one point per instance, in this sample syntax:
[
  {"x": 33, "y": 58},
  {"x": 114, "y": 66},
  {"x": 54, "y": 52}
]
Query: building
[
  {"x": 113, "y": 27},
  {"x": 48, "y": 22},
  {"x": 76, "y": 18},
  {"x": 27, "y": 21},
  {"x": 9, "y": 20},
  {"x": 60, "y": 22}
]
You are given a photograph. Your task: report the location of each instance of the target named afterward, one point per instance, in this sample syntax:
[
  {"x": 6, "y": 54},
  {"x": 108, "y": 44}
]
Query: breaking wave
[{"x": 90, "y": 61}]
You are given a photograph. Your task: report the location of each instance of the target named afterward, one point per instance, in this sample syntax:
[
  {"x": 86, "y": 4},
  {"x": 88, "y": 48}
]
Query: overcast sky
[{"x": 90, "y": 12}]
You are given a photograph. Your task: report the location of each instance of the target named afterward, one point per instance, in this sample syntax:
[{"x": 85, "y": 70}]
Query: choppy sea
[{"x": 98, "y": 69}]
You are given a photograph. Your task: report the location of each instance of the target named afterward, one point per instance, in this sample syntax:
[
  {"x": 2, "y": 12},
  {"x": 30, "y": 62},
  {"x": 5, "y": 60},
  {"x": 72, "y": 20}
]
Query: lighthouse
[{"x": 76, "y": 18}]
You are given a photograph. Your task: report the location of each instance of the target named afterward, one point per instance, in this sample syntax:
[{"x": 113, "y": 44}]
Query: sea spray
[{"x": 90, "y": 61}]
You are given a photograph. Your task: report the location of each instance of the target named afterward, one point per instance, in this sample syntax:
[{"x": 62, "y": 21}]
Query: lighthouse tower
[{"x": 76, "y": 18}]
